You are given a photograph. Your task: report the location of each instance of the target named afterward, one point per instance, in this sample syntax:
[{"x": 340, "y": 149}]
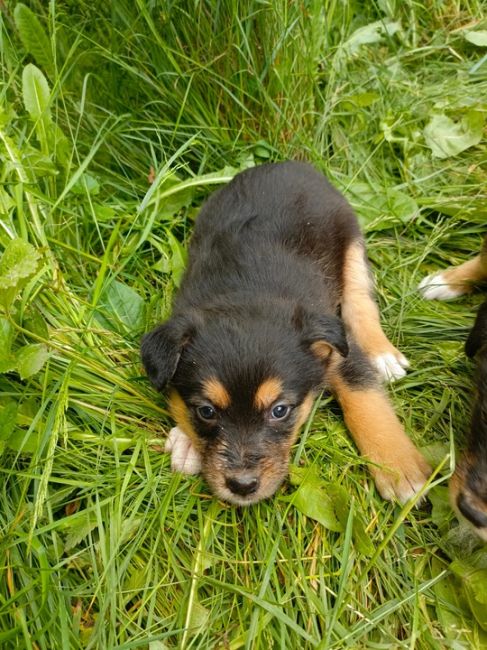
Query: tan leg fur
[
  {"x": 399, "y": 470},
  {"x": 361, "y": 316}
]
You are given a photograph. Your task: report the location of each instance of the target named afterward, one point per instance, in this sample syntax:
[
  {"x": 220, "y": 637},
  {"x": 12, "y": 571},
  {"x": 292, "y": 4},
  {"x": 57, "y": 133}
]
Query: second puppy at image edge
[
  {"x": 468, "y": 485},
  {"x": 277, "y": 303}
]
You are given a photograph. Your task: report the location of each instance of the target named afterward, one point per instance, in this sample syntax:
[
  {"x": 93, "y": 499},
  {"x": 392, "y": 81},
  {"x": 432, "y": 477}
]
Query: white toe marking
[
  {"x": 391, "y": 366},
  {"x": 436, "y": 287},
  {"x": 184, "y": 457}
]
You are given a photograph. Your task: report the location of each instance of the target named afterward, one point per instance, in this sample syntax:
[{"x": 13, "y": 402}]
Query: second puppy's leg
[
  {"x": 361, "y": 315},
  {"x": 456, "y": 280}
]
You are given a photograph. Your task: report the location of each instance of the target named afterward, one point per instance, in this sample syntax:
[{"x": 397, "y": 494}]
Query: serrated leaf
[
  {"x": 30, "y": 359},
  {"x": 478, "y": 37},
  {"x": 447, "y": 138},
  {"x": 34, "y": 38},
  {"x": 18, "y": 262},
  {"x": 120, "y": 308},
  {"x": 35, "y": 92}
]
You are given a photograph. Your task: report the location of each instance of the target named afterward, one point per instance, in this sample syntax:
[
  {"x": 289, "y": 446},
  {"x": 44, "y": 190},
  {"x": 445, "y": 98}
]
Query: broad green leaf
[
  {"x": 378, "y": 208},
  {"x": 86, "y": 184},
  {"x": 450, "y": 603},
  {"x": 327, "y": 503},
  {"x": 25, "y": 443},
  {"x": 120, "y": 308},
  {"x": 6, "y": 202},
  {"x": 311, "y": 497},
  {"x": 372, "y": 33},
  {"x": 34, "y": 38},
  {"x": 8, "y": 362},
  {"x": 474, "y": 581},
  {"x": 6, "y": 337},
  {"x": 8, "y": 417},
  {"x": 30, "y": 359},
  {"x": 477, "y": 38},
  {"x": 18, "y": 262},
  {"x": 341, "y": 505},
  {"x": 103, "y": 212},
  {"x": 199, "y": 618},
  {"x": 179, "y": 195},
  {"x": 351, "y": 102},
  {"x": 178, "y": 258},
  {"x": 35, "y": 92},
  {"x": 158, "y": 645},
  {"x": 441, "y": 509},
  {"x": 315, "y": 503},
  {"x": 447, "y": 138},
  {"x": 36, "y": 324},
  {"x": 80, "y": 526}
]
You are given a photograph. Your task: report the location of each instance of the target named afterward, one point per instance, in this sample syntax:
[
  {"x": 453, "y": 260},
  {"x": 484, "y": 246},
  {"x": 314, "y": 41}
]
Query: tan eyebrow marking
[
  {"x": 267, "y": 393},
  {"x": 216, "y": 392}
]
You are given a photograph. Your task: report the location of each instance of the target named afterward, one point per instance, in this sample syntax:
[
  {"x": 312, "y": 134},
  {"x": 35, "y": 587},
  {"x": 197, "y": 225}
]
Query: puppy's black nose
[{"x": 242, "y": 485}]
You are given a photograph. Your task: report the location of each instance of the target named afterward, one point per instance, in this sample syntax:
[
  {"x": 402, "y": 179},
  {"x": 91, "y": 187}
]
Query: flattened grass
[{"x": 152, "y": 106}]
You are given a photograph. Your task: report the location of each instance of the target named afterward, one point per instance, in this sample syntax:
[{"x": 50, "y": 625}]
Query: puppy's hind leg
[
  {"x": 398, "y": 468},
  {"x": 361, "y": 315}
]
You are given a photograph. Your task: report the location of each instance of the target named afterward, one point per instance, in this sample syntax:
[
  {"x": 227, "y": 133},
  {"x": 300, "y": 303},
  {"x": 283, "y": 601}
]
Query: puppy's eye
[
  {"x": 206, "y": 412},
  {"x": 280, "y": 411}
]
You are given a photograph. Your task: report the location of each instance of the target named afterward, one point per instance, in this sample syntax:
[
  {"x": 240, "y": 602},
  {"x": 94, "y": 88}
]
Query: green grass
[{"x": 100, "y": 545}]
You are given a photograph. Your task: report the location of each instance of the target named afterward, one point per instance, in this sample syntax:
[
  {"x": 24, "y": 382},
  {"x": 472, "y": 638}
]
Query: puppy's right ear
[
  {"x": 478, "y": 336},
  {"x": 162, "y": 347}
]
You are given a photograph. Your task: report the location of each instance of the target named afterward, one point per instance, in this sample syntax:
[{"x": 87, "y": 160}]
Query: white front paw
[
  {"x": 391, "y": 365},
  {"x": 436, "y": 287},
  {"x": 184, "y": 457}
]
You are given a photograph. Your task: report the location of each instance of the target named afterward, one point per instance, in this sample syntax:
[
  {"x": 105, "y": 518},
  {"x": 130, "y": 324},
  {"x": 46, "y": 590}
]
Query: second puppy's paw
[
  {"x": 184, "y": 457},
  {"x": 437, "y": 287}
]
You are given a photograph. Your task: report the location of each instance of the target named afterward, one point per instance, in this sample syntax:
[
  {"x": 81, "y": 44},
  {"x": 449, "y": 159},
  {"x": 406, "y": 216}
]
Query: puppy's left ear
[
  {"x": 478, "y": 336},
  {"x": 323, "y": 333},
  {"x": 162, "y": 347}
]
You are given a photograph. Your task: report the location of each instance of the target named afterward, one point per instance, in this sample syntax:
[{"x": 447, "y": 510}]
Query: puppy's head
[{"x": 242, "y": 385}]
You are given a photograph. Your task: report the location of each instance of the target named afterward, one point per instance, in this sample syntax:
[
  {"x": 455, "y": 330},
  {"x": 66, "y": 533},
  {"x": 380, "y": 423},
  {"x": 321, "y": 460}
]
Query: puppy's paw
[
  {"x": 390, "y": 364},
  {"x": 402, "y": 476},
  {"x": 184, "y": 457},
  {"x": 437, "y": 287}
]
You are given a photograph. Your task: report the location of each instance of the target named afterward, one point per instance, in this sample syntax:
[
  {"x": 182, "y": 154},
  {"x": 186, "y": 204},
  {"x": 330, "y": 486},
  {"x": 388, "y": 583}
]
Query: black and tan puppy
[
  {"x": 468, "y": 486},
  {"x": 276, "y": 303}
]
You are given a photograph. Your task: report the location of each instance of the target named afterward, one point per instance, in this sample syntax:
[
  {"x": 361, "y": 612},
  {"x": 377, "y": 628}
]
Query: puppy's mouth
[{"x": 245, "y": 488}]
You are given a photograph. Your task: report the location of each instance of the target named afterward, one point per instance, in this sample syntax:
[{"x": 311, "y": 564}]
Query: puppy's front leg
[{"x": 399, "y": 470}]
